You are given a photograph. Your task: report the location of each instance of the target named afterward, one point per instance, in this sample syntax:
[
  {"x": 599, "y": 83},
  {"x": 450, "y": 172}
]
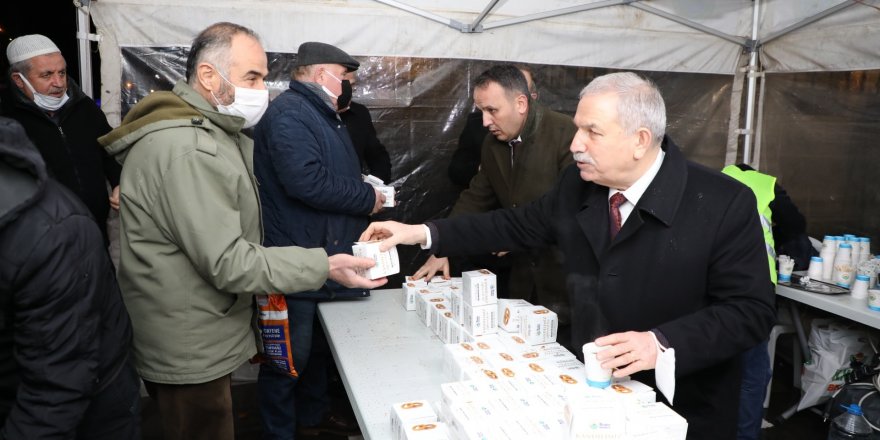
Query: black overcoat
[{"x": 689, "y": 261}]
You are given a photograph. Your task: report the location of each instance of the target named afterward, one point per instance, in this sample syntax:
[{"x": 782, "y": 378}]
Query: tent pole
[
  {"x": 85, "y": 53},
  {"x": 736, "y": 95},
  {"x": 808, "y": 21},
  {"x": 759, "y": 126},
  {"x": 752, "y": 81},
  {"x": 478, "y": 22},
  {"x": 455, "y": 24},
  {"x": 554, "y": 13}
]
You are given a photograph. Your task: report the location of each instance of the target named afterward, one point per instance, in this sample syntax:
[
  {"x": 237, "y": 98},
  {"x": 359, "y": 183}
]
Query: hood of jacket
[
  {"x": 182, "y": 106},
  {"x": 22, "y": 171}
]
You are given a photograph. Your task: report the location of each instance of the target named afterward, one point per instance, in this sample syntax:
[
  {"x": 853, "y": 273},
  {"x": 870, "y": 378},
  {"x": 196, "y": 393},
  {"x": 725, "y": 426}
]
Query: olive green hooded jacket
[{"x": 190, "y": 239}]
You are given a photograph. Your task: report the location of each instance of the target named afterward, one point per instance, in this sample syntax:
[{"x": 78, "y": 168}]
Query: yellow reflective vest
[{"x": 762, "y": 185}]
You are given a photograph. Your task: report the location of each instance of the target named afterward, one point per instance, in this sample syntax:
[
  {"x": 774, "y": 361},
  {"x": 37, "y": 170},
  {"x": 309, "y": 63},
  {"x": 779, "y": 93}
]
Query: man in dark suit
[
  {"x": 372, "y": 154},
  {"x": 522, "y": 158},
  {"x": 672, "y": 275}
]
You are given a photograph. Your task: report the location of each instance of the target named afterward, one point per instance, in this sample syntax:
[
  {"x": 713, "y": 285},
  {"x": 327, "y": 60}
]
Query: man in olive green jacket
[
  {"x": 527, "y": 149},
  {"x": 191, "y": 257}
]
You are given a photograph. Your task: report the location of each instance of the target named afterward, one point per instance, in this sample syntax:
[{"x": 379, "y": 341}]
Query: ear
[
  {"x": 522, "y": 104},
  {"x": 18, "y": 82},
  {"x": 207, "y": 76},
  {"x": 318, "y": 73},
  {"x": 644, "y": 140}
]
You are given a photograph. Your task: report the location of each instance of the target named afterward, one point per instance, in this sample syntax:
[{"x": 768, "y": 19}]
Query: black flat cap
[{"x": 312, "y": 52}]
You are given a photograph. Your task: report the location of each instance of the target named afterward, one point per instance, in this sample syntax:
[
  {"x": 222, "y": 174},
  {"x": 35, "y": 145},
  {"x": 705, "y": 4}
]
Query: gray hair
[
  {"x": 639, "y": 102},
  {"x": 23, "y": 67},
  {"x": 304, "y": 72},
  {"x": 212, "y": 46}
]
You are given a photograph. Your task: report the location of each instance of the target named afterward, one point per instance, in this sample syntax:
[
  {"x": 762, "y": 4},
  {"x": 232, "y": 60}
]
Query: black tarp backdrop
[{"x": 419, "y": 107}]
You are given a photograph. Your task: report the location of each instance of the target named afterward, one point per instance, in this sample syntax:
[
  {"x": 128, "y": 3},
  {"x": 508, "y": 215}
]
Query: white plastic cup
[
  {"x": 598, "y": 377},
  {"x": 786, "y": 266},
  {"x": 860, "y": 287},
  {"x": 828, "y": 253},
  {"x": 874, "y": 299},
  {"x": 815, "y": 269},
  {"x": 843, "y": 267}
]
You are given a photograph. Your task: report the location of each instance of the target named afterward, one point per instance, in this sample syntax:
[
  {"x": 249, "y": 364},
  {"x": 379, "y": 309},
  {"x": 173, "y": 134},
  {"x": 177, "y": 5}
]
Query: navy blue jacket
[{"x": 311, "y": 190}]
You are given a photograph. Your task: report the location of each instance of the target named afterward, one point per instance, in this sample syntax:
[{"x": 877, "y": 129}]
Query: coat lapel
[
  {"x": 663, "y": 196},
  {"x": 593, "y": 218}
]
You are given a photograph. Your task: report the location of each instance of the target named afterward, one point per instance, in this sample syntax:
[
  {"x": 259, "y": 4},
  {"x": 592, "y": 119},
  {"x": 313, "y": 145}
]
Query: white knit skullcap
[{"x": 29, "y": 46}]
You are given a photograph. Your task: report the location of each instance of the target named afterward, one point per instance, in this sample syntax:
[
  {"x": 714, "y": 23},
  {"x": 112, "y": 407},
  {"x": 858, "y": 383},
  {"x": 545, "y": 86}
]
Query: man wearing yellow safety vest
[{"x": 784, "y": 232}]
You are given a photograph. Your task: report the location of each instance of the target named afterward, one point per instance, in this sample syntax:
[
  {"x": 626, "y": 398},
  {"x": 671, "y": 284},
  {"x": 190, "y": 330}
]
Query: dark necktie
[
  {"x": 614, "y": 210},
  {"x": 513, "y": 143}
]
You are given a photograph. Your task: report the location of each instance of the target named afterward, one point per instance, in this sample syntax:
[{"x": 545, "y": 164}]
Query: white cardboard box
[
  {"x": 479, "y": 320},
  {"x": 424, "y": 304},
  {"x": 479, "y": 287},
  {"x": 404, "y": 414},
  {"x": 387, "y": 263},
  {"x": 539, "y": 325},
  {"x": 654, "y": 421},
  {"x": 509, "y": 313}
]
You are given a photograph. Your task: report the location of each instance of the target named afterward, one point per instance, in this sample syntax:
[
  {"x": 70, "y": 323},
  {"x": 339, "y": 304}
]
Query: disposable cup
[
  {"x": 597, "y": 377},
  {"x": 874, "y": 299},
  {"x": 785, "y": 269}
]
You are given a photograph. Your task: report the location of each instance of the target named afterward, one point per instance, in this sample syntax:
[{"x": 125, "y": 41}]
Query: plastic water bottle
[{"x": 850, "y": 425}]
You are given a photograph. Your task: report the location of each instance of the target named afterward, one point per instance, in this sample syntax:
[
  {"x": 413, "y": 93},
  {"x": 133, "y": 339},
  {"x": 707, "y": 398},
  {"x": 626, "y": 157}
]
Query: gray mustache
[{"x": 583, "y": 157}]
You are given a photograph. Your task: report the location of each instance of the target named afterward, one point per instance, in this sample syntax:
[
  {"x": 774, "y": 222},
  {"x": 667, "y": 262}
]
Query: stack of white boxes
[
  {"x": 479, "y": 302},
  {"x": 511, "y": 380},
  {"x": 416, "y": 420},
  {"x": 464, "y": 309}
]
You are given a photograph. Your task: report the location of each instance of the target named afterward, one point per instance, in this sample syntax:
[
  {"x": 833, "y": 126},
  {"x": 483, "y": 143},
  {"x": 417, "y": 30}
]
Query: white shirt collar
[{"x": 637, "y": 189}]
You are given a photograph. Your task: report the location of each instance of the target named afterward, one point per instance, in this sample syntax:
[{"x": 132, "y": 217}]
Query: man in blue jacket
[{"x": 313, "y": 195}]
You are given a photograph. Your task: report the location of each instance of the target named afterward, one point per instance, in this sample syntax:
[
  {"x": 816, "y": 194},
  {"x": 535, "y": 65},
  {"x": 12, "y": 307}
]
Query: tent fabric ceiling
[{"x": 621, "y": 36}]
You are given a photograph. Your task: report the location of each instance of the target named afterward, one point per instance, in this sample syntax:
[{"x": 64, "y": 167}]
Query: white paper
[{"x": 664, "y": 372}]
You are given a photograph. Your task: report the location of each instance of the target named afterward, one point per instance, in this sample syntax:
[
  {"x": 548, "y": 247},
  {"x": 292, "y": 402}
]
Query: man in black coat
[
  {"x": 372, "y": 154},
  {"x": 63, "y": 123},
  {"x": 664, "y": 258},
  {"x": 64, "y": 332}
]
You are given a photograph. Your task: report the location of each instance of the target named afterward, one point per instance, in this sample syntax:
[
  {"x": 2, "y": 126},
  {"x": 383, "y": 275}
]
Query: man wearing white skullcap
[{"x": 62, "y": 122}]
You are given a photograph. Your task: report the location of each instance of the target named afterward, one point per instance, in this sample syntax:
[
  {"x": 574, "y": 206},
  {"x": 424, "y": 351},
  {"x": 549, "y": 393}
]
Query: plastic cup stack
[
  {"x": 842, "y": 275},
  {"x": 816, "y": 268},
  {"x": 860, "y": 287},
  {"x": 786, "y": 266},
  {"x": 828, "y": 252}
]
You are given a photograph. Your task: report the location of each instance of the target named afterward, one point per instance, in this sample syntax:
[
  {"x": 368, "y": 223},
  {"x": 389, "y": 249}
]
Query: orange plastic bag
[{"x": 275, "y": 333}]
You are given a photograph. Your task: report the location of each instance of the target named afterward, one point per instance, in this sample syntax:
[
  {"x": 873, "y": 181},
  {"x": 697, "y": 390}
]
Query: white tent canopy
[
  {"x": 615, "y": 34},
  {"x": 714, "y": 36}
]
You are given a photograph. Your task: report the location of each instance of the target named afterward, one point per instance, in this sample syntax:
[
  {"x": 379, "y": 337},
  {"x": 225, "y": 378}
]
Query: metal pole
[
  {"x": 478, "y": 22},
  {"x": 85, "y": 52},
  {"x": 750, "y": 92}
]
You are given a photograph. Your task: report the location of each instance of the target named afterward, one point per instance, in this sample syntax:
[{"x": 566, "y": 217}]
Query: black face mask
[{"x": 344, "y": 98}]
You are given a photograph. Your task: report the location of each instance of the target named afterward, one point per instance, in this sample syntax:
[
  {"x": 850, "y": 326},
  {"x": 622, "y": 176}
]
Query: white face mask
[
  {"x": 45, "y": 102},
  {"x": 249, "y": 104}
]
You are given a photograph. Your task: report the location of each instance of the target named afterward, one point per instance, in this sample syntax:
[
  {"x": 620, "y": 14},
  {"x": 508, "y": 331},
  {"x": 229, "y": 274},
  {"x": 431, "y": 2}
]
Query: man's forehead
[
  {"x": 49, "y": 61},
  {"x": 490, "y": 92},
  {"x": 592, "y": 110},
  {"x": 248, "y": 55}
]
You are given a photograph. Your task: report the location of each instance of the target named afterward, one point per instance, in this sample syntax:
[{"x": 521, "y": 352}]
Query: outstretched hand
[
  {"x": 394, "y": 233},
  {"x": 432, "y": 267}
]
